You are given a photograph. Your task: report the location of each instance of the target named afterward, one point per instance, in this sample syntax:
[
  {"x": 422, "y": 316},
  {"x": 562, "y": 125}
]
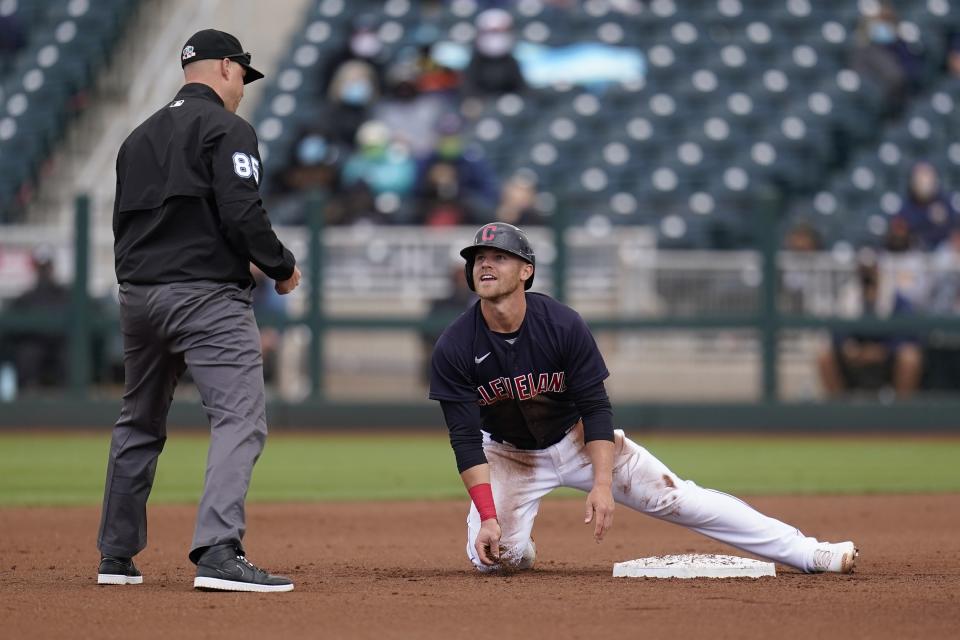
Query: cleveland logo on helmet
[{"x": 503, "y": 236}]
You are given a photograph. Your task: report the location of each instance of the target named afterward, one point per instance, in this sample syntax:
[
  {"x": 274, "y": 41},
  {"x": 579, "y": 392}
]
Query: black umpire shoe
[
  {"x": 115, "y": 570},
  {"x": 222, "y": 567}
]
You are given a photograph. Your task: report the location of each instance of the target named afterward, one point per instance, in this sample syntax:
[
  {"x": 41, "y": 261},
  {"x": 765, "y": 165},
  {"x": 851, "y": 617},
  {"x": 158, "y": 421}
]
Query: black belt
[
  {"x": 515, "y": 446},
  {"x": 500, "y": 440}
]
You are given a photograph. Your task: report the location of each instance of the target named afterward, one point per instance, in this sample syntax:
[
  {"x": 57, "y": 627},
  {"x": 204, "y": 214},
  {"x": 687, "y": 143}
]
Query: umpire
[{"x": 187, "y": 223}]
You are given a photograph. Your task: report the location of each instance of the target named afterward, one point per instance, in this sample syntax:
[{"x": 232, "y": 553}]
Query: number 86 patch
[{"x": 246, "y": 166}]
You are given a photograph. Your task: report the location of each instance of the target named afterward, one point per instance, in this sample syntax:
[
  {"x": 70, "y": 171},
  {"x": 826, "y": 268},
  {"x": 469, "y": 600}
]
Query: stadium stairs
[{"x": 125, "y": 94}]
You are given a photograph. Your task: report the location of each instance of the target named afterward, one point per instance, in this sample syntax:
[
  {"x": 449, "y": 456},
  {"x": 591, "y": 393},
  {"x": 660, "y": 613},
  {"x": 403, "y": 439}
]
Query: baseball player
[
  {"x": 188, "y": 222},
  {"x": 520, "y": 381}
]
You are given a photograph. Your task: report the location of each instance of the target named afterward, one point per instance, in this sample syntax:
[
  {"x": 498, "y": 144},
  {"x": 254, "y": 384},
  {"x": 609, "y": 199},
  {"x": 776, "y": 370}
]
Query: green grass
[{"x": 62, "y": 469}]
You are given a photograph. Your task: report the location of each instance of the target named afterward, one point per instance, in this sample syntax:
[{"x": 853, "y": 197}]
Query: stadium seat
[
  {"x": 67, "y": 42},
  {"x": 739, "y": 97}
]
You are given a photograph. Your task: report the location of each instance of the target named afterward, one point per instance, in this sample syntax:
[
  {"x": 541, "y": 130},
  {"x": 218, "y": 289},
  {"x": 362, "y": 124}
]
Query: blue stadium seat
[{"x": 739, "y": 97}]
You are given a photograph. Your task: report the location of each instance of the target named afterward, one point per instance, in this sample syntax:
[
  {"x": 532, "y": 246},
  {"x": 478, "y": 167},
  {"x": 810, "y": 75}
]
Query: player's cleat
[
  {"x": 223, "y": 568},
  {"x": 118, "y": 571},
  {"x": 837, "y": 557}
]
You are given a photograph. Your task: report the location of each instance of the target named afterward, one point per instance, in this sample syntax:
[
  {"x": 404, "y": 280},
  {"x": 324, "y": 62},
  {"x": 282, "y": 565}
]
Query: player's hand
[
  {"x": 284, "y": 287},
  {"x": 488, "y": 542},
  {"x": 600, "y": 510}
]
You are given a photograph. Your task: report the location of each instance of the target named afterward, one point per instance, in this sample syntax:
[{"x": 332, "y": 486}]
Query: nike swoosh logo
[
  {"x": 234, "y": 573},
  {"x": 481, "y": 358}
]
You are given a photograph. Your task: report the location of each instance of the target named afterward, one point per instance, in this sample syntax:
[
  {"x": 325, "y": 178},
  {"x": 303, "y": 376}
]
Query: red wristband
[{"x": 482, "y": 496}]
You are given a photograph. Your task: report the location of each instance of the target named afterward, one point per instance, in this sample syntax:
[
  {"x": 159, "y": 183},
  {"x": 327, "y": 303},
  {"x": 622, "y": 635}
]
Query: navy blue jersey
[{"x": 527, "y": 385}]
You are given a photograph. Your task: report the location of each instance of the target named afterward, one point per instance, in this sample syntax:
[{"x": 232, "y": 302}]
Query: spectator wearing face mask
[
  {"x": 313, "y": 168},
  {"x": 352, "y": 92},
  {"x": 364, "y": 45},
  {"x": 408, "y": 113},
  {"x": 382, "y": 166},
  {"x": 493, "y": 69},
  {"x": 881, "y": 55},
  {"x": 461, "y": 172},
  {"x": 927, "y": 211}
]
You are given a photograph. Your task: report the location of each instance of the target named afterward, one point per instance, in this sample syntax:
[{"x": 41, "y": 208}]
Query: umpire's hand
[{"x": 284, "y": 287}]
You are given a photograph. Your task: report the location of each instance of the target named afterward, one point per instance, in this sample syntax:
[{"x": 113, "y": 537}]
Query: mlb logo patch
[{"x": 188, "y": 52}]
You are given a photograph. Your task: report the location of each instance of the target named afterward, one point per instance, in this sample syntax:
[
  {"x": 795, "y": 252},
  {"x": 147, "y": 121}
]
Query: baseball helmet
[{"x": 503, "y": 236}]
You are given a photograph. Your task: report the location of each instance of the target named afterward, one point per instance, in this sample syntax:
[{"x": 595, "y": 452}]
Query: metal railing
[{"x": 620, "y": 282}]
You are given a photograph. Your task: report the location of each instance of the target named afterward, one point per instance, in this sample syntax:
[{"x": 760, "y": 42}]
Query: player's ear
[
  {"x": 527, "y": 272},
  {"x": 225, "y": 69}
]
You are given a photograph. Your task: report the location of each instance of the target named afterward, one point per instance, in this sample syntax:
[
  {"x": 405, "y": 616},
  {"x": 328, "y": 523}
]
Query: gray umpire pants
[{"x": 209, "y": 328}]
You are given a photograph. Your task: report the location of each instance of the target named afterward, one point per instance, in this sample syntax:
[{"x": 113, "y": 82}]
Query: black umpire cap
[{"x": 211, "y": 44}]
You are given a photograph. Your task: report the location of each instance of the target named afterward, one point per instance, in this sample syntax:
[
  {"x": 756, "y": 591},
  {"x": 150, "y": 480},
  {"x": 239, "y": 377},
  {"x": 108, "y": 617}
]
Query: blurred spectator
[
  {"x": 461, "y": 171},
  {"x": 945, "y": 289},
  {"x": 410, "y": 115},
  {"x": 439, "y": 202},
  {"x": 903, "y": 269},
  {"x": 354, "y": 204},
  {"x": 314, "y": 164},
  {"x": 269, "y": 306},
  {"x": 313, "y": 167},
  {"x": 799, "y": 282},
  {"x": 443, "y": 311},
  {"x": 13, "y": 37},
  {"x": 926, "y": 210},
  {"x": 803, "y": 237},
  {"x": 899, "y": 237},
  {"x": 40, "y": 358},
  {"x": 433, "y": 62},
  {"x": 352, "y": 92},
  {"x": 942, "y": 356},
  {"x": 881, "y": 55},
  {"x": 867, "y": 360},
  {"x": 363, "y": 47},
  {"x": 493, "y": 69},
  {"x": 518, "y": 202},
  {"x": 953, "y": 55},
  {"x": 380, "y": 164}
]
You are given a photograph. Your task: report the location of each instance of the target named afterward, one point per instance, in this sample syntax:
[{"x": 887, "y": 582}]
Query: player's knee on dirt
[{"x": 517, "y": 557}]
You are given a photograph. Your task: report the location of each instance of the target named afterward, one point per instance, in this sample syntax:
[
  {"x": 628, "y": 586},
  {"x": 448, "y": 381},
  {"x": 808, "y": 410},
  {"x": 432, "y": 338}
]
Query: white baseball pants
[{"x": 521, "y": 478}]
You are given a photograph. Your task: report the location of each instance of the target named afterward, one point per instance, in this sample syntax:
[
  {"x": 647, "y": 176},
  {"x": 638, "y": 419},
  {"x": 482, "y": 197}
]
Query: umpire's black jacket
[{"x": 188, "y": 203}]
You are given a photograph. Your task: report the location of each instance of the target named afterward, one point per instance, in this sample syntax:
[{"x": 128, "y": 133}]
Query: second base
[{"x": 693, "y": 565}]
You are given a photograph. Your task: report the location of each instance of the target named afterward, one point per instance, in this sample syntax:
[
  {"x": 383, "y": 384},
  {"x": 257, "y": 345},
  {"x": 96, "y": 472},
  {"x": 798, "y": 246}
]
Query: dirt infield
[{"x": 397, "y": 570}]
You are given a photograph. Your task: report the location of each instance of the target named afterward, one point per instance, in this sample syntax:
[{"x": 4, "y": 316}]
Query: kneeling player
[{"x": 520, "y": 381}]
